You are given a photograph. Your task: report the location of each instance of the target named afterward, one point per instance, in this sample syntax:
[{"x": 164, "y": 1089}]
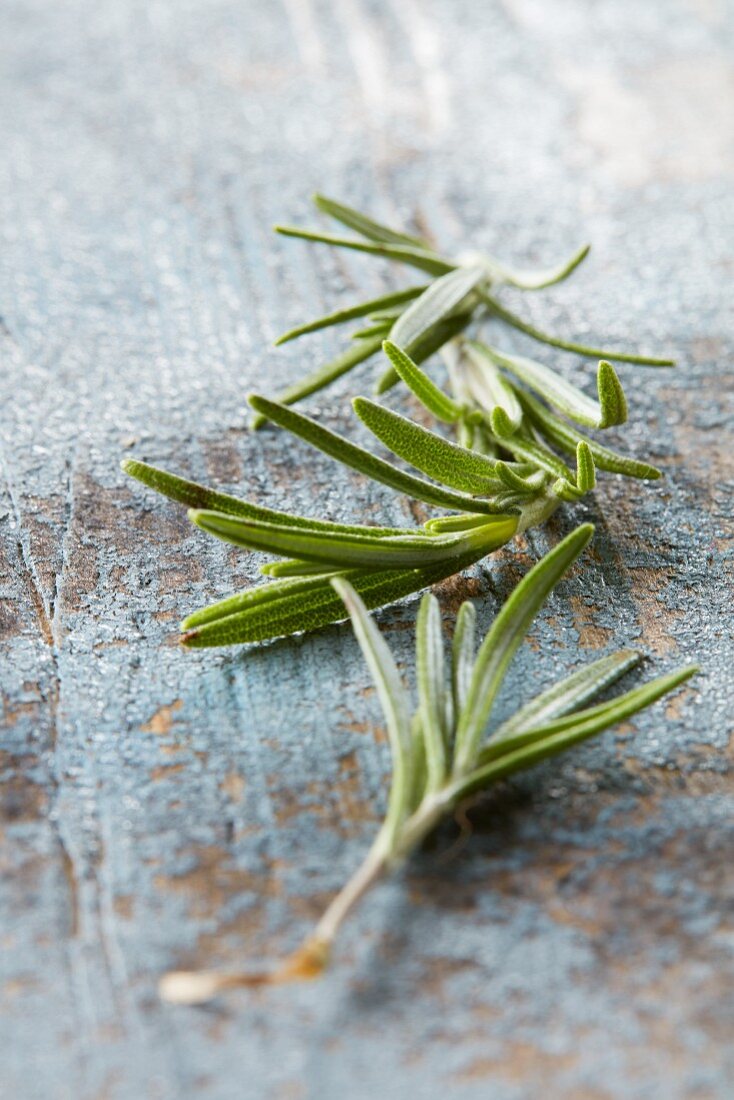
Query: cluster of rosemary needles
[{"x": 520, "y": 448}]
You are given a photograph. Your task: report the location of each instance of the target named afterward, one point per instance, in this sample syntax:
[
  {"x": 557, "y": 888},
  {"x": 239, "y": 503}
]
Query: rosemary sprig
[
  {"x": 440, "y": 754},
  {"x": 506, "y": 470}
]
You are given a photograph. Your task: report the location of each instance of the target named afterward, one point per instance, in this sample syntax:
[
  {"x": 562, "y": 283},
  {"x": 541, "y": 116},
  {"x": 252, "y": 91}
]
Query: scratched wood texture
[{"x": 163, "y": 808}]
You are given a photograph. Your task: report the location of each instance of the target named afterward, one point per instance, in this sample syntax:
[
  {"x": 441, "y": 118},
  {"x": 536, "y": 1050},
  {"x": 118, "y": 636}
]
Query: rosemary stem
[
  {"x": 382, "y": 855},
  {"x": 371, "y": 868},
  {"x": 537, "y": 511}
]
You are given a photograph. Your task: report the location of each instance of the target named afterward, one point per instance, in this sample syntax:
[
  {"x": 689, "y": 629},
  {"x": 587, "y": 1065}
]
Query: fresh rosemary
[
  {"x": 515, "y": 421},
  {"x": 514, "y": 418},
  {"x": 440, "y": 755}
]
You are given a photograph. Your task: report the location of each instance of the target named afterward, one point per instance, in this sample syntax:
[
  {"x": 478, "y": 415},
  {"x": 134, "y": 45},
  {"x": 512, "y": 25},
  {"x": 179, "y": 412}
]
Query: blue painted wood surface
[{"x": 163, "y": 808}]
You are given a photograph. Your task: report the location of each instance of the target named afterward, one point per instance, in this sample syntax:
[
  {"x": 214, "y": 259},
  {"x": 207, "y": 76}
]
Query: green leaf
[
  {"x": 435, "y": 456},
  {"x": 306, "y": 591},
  {"x": 324, "y": 376},
  {"x": 505, "y": 636},
  {"x": 437, "y": 301},
  {"x": 427, "y": 392},
  {"x": 393, "y": 700},
  {"x": 304, "y": 603},
  {"x": 529, "y": 747},
  {"x": 199, "y": 497},
  {"x": 487, "y": 386},
  {"x": 527, "y": 449},
  {"x": 340, "y": 316},
  {"x": 401, "y": 253},
  {"x": 353, "y": 550},
  {"x": 544, "y": 338},
  {"x": 358, "y": 459},
  {"x": 538, "y": 280},
  {"x": 585, "y": 469},
  {"x": 463, "y": 656},
  {"x": 431, "y": 690},
  {"x": 462, "y": 522},
  {"x": 360, "y": 223},
  {"x": 293, "y": 567},
  {"x": 570, "y": 693},
  {"x": 382, "y": 329},
  {"x": 610, "y": 410},
  {"x": 568, "y": 438},
  {"x": 426, "y": 346}
]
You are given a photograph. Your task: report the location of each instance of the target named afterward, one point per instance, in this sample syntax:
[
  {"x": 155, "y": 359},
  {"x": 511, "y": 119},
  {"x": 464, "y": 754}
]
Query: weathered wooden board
[{"x": 163, "y": 808}]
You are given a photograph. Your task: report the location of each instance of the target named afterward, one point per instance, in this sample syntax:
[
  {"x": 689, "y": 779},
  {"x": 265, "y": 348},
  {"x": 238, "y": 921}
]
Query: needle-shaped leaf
[
  {"x": 292, "y": 567},
  {"x": 437, "y": 301},
  {"x": 393, "y": 700},
  {"x": 519, "y": 484},
  {"x": 411, "y": 255},
  {"x": 324, "y": 376},
  {"x": 462, "y": 655},
  {"x": 424, "y": 348},
  {"x": 427, "y": 392},
  {"x": 304, "y": 603},
  {"x": 462, "y": 522},
  {"x": 580, "y": 349},
  {"x": 570, "y": 693},
  {"x": 198, "y": 496},
  {"x": 382, "y": 329},
  {"x": 486, "y": 385},
  {"x": 584, "y": 723},
  {"x": 585, "y": 468},
  {"x": 367, "y": 227},
  {"x": 430, "y": 675},
  {"x": 359, "y": 459},
  {"x": 364, "y": 309},
  {"x": 527, "y": 449},
  {"x": 610, "y": 410},
  {"x": 347, "y": 551},
  {"x": 538, "y": 280},
  {"x": 500, "y": 644},
  {"x": 435, "y": 456},
  {"x": 567, "y": 438},
  {"x": 524, "y": 751}
]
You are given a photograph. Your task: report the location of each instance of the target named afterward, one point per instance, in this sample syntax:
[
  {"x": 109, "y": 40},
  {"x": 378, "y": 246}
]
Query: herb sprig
[
  {"x": 440, "y": 754},
  {"x": 515, "y": 421}
]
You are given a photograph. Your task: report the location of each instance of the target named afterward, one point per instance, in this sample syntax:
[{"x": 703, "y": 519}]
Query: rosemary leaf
[
  {"x": 462, "y": 663},
  {"x": 486, "y": 384},
  {"x": 610, "y": 410},
  {"x": 359, "y": 459},
  {"x": 524, "y": 749},
  {"x": 430, "y": 674},
  {"x": 430, "y": 453},
  {"x": 526, "y": 449},
  {"x": 585, "y": 468},
  {"x": 568, "y": 438},
  {"x": 324, "y": 376},
  {"x": 360, "y": 223},
  {"x": 199, "y": 497},
  {"x": 538, "y": 280},
  {"x": 505, "y": 636},
  {"x": 410, "y": 255},
  {"x": 285, "y": 607},
  {"x": 544, "y": 338},
  {"x": 437, "y": 301},
  {"x": 430, "y": 342},
  {"x": 427, "y": 392},
  {"x": 354, "y": 550},
  {"x": 364, "y": 309},
  {"x": 392, "y": 698},
  {"x": 569, "y": 694}
]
